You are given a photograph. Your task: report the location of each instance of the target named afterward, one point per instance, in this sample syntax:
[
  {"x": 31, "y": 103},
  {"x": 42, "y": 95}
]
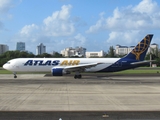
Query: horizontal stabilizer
[{"x": 142, "y": 62}]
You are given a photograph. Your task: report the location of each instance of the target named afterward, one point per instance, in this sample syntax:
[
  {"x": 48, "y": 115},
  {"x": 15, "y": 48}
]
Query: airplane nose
[{"x": 4, "y": 66}]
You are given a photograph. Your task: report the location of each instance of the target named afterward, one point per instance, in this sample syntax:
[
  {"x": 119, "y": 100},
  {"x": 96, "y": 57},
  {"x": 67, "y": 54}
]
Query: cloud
[
  {"x": 124, "y": 38},
  {"x": 55, "y": 29},
  {"x": 125, "y": 25},
  {"x": 143, "y": 16},
  {"x": 5, "y": 5},
  {"x": 77, "y": 40},
  {"x": 80, "y": 39},
  {"x": 59, "y": 24},
  {"x": 129, "y": 21},
  {"x": 98, "y": 26},
  {"x": 30, "y": 33},
  {"x": 28, "y": 29},
  {"x": 146, "y": 6}
]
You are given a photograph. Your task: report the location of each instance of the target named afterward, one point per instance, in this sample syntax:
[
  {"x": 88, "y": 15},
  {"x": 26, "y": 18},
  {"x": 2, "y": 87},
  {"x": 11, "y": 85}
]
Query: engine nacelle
[{"x": 59, "y": 72}]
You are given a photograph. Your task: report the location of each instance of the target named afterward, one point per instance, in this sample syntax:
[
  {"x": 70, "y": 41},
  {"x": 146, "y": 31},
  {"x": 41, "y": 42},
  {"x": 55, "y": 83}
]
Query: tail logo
[{"x": 141, "y": 47}]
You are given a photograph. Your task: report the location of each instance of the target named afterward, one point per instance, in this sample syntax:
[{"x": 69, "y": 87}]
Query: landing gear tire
[
  {"x": 78, "y": 76},
  {"x": 15, "y": 76}
]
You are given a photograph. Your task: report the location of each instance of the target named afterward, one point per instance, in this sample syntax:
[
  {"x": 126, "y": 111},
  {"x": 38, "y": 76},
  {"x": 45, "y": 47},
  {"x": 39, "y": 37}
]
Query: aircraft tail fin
[{"x": 139, "y": 52}]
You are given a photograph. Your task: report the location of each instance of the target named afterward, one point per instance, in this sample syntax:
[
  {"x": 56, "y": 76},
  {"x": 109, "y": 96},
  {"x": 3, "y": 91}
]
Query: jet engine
[{"x": 56, "y": 71}]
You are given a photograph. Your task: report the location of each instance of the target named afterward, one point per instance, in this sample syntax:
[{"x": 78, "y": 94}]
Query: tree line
[{"x": 22, "y": 54}]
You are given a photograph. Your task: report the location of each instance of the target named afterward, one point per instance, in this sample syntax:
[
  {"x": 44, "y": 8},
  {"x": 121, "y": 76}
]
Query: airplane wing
[
  {"x": 80, "y": 67},
  {"x": 142, "y": 62}
]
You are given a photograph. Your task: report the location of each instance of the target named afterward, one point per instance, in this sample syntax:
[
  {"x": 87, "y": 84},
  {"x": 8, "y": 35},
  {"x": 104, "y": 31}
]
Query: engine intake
[{"x": 59, "y": 71}]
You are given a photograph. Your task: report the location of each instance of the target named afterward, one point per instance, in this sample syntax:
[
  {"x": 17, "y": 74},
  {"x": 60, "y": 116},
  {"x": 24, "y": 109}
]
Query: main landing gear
[
  {"x": 15, "y": 76},
  {"x": 77, "y": 75}
]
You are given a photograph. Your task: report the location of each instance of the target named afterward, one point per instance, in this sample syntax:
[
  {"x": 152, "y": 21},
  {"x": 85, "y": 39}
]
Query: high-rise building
[
  {"x": 40, "y": 49},
  {"x": 20, "y": 46},
  {"x": 3, "y": 48}
]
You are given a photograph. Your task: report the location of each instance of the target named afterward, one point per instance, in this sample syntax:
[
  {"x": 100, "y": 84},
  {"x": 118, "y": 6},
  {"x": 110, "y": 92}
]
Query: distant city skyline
[
  {"x": 40, "y": 49},
  {"x": 77, "y": 51}
]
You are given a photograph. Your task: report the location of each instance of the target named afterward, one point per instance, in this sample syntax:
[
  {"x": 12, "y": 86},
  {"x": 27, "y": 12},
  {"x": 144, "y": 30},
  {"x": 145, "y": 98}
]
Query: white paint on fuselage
[{"x": 17, "y": 65}]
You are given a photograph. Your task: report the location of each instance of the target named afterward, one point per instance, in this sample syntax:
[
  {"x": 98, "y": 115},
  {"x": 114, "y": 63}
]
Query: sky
[{"x": 93, "y": 24}]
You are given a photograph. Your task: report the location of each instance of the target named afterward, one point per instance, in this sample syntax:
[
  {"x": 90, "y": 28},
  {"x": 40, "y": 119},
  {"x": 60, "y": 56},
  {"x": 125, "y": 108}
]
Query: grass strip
[
  {"x": 132, "y": 71},
  {"x": 147, "y": 71}
]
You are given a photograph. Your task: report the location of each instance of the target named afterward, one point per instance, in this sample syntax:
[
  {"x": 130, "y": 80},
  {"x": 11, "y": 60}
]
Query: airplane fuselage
[{"x": 46, "y": 64}]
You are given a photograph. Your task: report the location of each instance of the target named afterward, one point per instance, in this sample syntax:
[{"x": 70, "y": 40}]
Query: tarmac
[{"x": 93, "y": 93}]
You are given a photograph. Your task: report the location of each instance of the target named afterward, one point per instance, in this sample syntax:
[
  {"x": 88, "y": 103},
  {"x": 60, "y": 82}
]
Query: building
[
  {"x": 95, "y": 54},
  {"x": 3, "y": 48},
  {"x": 123, "y": 50},
  {"x": 78, "y": 51},
  {"x": 153, "y": 48},
  {"x": 53, "y": 52},
  {"x": 40, "y": 49},
  {"x": 20, "y": 46}
]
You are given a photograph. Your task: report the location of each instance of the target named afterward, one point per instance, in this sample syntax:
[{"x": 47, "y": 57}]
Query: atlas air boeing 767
[{"x": 61, "y": 66}]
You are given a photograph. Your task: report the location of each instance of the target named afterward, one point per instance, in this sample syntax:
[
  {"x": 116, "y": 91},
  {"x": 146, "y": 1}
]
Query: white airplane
[{"x": 60, "y": 66}]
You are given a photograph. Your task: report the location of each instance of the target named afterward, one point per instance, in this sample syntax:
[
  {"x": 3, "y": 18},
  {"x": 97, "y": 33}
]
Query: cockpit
[{"x": 7, "y": 65}]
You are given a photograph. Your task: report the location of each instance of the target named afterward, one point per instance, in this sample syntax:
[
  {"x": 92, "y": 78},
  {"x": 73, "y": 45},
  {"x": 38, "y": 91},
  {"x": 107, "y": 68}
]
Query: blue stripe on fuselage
[{"x": 122, "y": 64}]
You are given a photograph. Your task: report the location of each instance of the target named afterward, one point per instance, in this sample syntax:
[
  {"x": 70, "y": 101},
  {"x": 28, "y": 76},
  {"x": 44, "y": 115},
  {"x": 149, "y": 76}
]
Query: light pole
[{"x": 150, "y": 56}]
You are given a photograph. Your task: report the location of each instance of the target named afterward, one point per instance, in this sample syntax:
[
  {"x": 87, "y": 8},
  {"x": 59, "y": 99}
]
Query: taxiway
[{"x": 34, "y": 92}]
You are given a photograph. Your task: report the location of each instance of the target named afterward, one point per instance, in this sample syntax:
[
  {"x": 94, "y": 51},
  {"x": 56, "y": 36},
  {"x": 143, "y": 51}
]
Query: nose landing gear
[{"x": 15, "y": 76}]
